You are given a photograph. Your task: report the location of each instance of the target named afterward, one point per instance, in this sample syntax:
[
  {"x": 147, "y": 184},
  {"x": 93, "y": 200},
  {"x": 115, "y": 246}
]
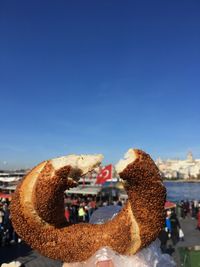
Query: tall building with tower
[{"x": 187, "y": 169}]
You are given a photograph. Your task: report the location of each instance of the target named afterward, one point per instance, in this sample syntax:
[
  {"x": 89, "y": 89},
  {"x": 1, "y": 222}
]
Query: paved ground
[
  {"x": 30, "y": 258},
  {"x": 191, "y": 238},
  {"x": 23, "y": 253}
]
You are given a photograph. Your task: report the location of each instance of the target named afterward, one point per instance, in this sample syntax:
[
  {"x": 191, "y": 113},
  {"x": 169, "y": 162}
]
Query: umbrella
[
  {"x": 103, "y": 214},
  {"x": 170, "y": 205}
]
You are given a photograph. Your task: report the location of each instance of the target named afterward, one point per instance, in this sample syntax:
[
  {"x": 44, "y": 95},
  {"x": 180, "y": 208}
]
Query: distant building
[
  {"x": 180, "y": 169},
  {"x": 9, "y": 181}
]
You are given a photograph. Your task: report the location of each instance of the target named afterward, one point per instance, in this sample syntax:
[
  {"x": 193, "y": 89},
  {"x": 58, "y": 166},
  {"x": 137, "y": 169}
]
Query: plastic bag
[{"x": 181, "y": 234}]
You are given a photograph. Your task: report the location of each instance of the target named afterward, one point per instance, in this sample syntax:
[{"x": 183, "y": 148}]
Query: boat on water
[{"x": 9, "y": 181}]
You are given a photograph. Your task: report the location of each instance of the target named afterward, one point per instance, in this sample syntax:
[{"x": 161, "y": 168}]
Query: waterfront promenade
[
  {"x": 191, "y": 239},
  {"x": 28, "y": 257},
  {"x": 31, "y": 258}
]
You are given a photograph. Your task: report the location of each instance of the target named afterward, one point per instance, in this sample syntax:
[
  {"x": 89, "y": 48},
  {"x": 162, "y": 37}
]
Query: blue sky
[{"x": 98, "y": 77}]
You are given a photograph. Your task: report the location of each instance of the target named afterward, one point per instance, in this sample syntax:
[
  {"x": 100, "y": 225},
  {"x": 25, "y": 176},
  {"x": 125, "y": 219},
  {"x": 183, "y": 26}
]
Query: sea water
[{"x": 177, "y": 191}]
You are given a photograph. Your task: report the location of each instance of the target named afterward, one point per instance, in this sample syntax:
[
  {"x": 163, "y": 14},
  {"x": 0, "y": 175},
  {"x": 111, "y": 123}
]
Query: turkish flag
[{"x": 104, "y": 175}]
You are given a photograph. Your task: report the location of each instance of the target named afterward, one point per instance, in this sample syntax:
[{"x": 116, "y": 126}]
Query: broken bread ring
[{"x": 37, "y": 208}]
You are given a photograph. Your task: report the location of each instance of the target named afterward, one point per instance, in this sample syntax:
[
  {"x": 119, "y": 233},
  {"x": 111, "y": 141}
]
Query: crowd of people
[
  {"x": 187, "y": 208},
  {"x": 79, "y": 208},
  {"x": 7, "y": 233},
  {"x": 172, "y": 230}
]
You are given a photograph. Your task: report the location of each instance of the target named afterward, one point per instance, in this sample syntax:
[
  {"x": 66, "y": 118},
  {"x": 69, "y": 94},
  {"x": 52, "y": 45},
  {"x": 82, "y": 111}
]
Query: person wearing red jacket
[{"x": 198, "y": 220}]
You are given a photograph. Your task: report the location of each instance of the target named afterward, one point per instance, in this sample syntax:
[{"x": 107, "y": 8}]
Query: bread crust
[
  {"x": 38, "y": 213},
  {"x": 147, "y": 196}
]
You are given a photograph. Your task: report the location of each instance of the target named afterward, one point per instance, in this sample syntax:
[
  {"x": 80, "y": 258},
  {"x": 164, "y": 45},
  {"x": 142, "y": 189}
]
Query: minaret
[
  {"x": 159, "y": 160},
  {"x": 190, "y": 157}
]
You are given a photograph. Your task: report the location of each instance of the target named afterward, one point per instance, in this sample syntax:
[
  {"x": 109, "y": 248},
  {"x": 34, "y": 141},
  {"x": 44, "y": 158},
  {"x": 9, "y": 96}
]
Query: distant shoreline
[{"x": 182, "y": 181}]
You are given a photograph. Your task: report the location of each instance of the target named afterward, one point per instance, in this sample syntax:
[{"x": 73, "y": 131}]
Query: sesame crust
[
  {"x": 76, "y": 242},
  {"x": 138, "y": 223},
  {"x": 147, "y": 196},
  {"x": 49, "y": 189}
]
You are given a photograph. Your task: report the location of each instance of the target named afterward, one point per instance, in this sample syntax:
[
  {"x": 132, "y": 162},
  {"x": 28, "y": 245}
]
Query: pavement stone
[
  {"x": 24, "y": 254},
  {"x": 191, "y": 238}
]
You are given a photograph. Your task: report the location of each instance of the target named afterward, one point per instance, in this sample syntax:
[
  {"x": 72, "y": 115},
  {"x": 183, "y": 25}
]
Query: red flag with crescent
[{"x": 104, "y": 175}]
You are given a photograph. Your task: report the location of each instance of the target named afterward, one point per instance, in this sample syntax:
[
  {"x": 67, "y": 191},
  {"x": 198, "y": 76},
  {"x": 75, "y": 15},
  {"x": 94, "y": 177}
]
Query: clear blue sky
[{"x": 98, "y": 77}]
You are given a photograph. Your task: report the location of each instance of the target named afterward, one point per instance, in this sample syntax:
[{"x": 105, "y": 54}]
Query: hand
[
  {"x": 105, "y": 263},
  {"x": 11, "y": 264}
]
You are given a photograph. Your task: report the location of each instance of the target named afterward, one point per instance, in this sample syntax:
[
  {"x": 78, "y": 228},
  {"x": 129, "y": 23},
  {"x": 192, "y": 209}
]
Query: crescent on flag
[{"x": 104, "y": 175}]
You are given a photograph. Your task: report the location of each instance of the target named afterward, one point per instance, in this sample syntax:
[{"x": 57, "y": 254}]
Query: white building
[{"x": 181, "y": 169}]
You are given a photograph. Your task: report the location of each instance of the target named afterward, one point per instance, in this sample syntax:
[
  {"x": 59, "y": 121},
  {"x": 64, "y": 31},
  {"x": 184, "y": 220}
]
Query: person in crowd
[
  {"x": 193, "y": 210},
  {"x": 178, "y": 210},
  {"x": 91, "y": 208},
  {"x": 6, "y": 219},
  {"x": 81, "y": 213},
  {"x": 163, "y": 237},
  {"x": 175, "y": 226},
  {"x": 198, "y": 220},
  {"x": 182, "y": 206},
  {"x": 1, "y": 216},
  {"x": 187, "y": 207},
  {"x": 74, "y": 214},
  {"x": 67, "y": 213},
  {"x": 168, "y": 227},
  {"x": 196, "y": 207}
]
